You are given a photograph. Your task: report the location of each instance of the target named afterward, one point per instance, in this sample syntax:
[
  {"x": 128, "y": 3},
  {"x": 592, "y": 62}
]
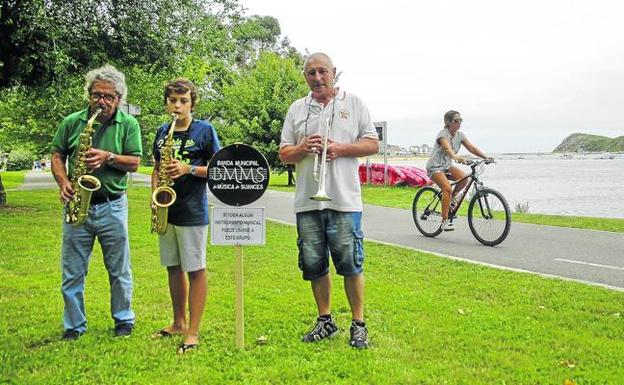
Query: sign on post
[
  {"x": 237, "y": 226},
  {"x": 237, "y": 176}
]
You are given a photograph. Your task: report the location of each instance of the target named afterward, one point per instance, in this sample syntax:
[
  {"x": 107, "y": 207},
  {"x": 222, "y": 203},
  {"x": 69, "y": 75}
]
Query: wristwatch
[
  {"x": 111, "y": 158},
  {"x": 193, "y": 170}
]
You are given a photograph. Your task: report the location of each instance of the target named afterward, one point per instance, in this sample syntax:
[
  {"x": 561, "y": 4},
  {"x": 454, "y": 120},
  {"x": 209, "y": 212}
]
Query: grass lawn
[
  {"x": 147, "y": 170},
  {"x": 12, "y": 179},
  {"x": 431, "y": 320}
]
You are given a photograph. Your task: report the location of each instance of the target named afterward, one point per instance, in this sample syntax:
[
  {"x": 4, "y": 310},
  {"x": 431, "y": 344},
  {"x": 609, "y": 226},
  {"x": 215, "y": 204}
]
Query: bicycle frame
[{"x": 474, "y": 180}]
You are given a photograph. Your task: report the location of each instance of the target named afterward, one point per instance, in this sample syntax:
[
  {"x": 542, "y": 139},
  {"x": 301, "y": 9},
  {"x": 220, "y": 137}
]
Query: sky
[{"x": 524, "y": 74}]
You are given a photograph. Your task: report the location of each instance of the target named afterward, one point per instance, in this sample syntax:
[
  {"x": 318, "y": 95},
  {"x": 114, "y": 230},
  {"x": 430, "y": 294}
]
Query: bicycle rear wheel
[
  {"x": 427, "y": 211},
  {"x": 489, "y": 217}
]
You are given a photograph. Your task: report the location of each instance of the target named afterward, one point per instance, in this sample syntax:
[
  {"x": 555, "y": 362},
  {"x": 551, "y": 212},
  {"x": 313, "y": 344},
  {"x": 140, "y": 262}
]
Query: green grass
[
  {"x": 605, "y": 224},
  {"x": 145, "y": 170},
  {"x": 12, "y": 179},
  {"x": 431, "y": 320}
]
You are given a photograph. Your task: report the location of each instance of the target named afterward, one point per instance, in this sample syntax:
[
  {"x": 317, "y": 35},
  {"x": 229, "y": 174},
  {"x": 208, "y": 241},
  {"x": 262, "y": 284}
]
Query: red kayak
[{"x": 397, "y": 175}]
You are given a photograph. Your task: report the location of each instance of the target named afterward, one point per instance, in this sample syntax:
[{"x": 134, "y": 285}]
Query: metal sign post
[
  {"x": 238, "y": 175},
  {"x": 381, "y": 128}
]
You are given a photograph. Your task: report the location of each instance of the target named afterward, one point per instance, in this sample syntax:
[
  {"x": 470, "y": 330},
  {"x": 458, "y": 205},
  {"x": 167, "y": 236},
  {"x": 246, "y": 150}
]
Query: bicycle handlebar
[{"x": 476, "y": 162}]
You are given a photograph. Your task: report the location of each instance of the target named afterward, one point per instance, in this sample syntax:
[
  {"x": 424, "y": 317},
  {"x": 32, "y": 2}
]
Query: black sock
[
  {"x": 325, "y": 317},
  {"x": 358, "y": 322}
]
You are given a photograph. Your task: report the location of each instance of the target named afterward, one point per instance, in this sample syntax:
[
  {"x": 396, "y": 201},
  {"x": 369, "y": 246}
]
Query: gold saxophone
[
  {"x": 84, "y": 184},
  {"x": 164, "y": 196}
]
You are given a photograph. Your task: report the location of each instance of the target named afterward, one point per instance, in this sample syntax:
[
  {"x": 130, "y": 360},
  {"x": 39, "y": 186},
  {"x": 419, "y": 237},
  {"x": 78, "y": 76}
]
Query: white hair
[{"x": 107, "y": 73}]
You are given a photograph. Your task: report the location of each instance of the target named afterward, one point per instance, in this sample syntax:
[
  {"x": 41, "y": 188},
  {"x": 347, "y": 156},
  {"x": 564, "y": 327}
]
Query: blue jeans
[
  {"x": 321, "y": 233},
  {"x": 108, "y": 222}
]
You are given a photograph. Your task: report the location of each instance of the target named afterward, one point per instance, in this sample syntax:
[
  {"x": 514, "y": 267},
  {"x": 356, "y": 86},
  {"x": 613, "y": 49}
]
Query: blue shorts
[{"x": 321, "y": 233}]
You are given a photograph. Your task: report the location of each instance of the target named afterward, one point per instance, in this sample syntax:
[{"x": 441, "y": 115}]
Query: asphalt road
[{"x": 594, "y": 257}]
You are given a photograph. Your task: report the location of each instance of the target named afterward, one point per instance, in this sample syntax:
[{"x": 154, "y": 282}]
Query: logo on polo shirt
[{"x": 344, "y": 114}]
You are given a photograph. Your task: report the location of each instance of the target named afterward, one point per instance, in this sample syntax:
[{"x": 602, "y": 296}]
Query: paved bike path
[
  {"x": 590, "y": 256},
  {"x": 36, "y": 180},
  {"x": 595, "y": 257}
]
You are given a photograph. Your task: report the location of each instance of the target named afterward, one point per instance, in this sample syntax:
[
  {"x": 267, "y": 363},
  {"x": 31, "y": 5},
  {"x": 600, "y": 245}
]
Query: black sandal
[
  {"x": 162, "y": 334},
  {"x": 182, "y": 349}
]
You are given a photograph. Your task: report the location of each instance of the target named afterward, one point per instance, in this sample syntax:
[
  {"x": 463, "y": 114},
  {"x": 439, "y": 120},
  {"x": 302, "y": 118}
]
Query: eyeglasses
[
  {"x": 458, "y": 120},
  {"x": 96, "y": 96}
]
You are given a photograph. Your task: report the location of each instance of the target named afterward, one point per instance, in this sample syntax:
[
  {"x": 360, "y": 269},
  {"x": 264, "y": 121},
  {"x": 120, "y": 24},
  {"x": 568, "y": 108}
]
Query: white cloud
[{"x": 523, "y": 74}]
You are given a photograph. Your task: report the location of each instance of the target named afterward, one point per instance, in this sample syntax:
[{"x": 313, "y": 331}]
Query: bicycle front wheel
[
  {"x": 489, "y": 217},
  {"x": 427, "y": 211}
]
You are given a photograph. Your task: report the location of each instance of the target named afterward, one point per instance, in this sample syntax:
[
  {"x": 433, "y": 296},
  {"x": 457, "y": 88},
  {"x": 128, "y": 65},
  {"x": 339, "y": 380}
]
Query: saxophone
[
  {"x": 77, "y": 208},
  {"x": 164, "y": 196}
]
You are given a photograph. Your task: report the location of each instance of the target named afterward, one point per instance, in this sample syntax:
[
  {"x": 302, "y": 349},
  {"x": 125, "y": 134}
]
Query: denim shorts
[{"x": 329, "y": 232}]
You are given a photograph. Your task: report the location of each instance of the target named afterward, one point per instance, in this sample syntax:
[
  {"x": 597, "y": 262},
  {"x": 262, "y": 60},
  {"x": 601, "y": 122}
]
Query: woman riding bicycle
[{"x": 440, "y": 168}]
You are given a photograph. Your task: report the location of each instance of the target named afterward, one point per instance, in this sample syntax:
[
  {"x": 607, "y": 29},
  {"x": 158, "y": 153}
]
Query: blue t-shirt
[{"x": 194, "y": 146}]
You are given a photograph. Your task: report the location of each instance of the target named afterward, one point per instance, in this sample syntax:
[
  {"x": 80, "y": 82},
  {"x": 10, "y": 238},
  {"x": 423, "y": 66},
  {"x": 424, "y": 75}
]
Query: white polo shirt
[{"x": 350, "y": 121}]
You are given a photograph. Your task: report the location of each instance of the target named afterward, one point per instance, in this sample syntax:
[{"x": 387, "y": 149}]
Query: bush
[
  {"x": 20, "y": 159},
  {"x": 522, "y": 207}
]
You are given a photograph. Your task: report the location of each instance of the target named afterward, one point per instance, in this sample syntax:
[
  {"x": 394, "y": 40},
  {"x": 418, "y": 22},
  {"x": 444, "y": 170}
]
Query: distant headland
[{"x": 590, "y": 143}]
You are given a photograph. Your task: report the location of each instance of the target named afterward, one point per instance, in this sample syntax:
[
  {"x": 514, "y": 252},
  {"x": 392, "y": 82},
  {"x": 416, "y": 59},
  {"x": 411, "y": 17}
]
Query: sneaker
[
  {"x": 123, "y": 330},
  {"x": 447, "y": 225},
  {"x": 70, "y": 335},
  {"x": 324, "y": 328},
  {"x": 359, "y": 335}
]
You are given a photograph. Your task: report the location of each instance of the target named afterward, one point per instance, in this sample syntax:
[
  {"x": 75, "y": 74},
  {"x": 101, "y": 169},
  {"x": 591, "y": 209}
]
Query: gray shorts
[
  {"x": 321, "y": 233},
  {"x": 184, "y": 246},
  {"x": 431, "y": 171}
]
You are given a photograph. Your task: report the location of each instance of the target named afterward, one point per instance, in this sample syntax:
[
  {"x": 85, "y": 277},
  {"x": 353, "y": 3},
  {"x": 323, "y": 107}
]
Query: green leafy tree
[
  {"x": 29, "y": 116},
  {"x": 41, "y": 81},
  {"x": 255, "y": 104},
  {"x": 48, "y": 45},
  {"x": 44, "y": 40}
]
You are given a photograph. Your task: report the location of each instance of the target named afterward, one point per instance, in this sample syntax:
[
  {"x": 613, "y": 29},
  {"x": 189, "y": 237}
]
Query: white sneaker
[{"x": 447, "y": 225}]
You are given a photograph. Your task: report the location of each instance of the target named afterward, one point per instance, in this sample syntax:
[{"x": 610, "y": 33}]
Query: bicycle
[{"x": 489, "y": 217}]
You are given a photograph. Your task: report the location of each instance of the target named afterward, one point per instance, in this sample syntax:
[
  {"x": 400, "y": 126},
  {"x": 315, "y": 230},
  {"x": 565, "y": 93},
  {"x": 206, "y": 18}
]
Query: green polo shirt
[{"x": 120, "y": 135}]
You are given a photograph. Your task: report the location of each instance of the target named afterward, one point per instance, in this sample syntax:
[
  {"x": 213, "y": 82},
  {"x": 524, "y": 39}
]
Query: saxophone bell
[
  {"x": 87, "y": 184},
  {"x": 162, "y": 198}
]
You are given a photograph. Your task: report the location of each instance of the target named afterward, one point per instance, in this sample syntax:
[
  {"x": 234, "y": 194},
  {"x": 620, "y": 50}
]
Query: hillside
[{"x": 590, "y": 143}]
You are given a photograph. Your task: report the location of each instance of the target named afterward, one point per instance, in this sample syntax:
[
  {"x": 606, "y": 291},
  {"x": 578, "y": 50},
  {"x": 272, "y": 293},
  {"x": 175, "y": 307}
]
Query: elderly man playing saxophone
[
  {"x": 331, "y": 226},
  {"x": 111, "y": 151}
]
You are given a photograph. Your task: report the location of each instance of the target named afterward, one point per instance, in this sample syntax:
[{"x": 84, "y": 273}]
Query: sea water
[{"x": 578, "y": 184}]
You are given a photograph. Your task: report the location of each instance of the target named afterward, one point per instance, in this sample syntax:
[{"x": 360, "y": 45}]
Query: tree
[
  {"x": 254, "y": 35},
  {"x": 48, "y": 45},
  {"x": 2, "y": 193},
  {"x": 44, "y": 40},
  {"x": 255, "y": 104}
]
